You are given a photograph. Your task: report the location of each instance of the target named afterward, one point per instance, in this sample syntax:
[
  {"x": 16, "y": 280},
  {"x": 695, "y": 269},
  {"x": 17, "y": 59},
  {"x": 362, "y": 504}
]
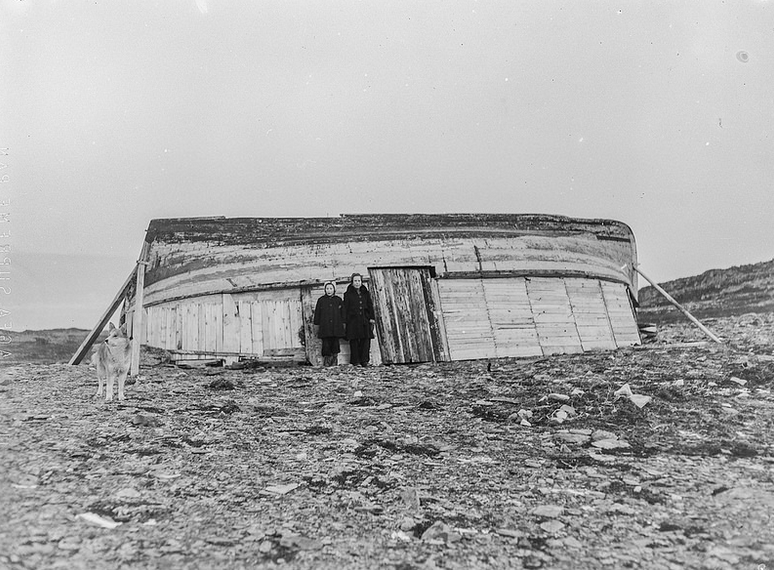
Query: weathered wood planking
[
  {"x": 553, "y": 316},
  {"x": 251, "y": 324},
  {"x": 231, "y": 325},
  {"x": 313, "y": 344},
  {"x": 531, "y": 283},
  {"x": 468, "y": 329},
  {"x": 619, "y": 311},
  {"x": 510, "y": 313},
  {"x": 404, "y": 314},
  {"x": 298, "y": 264},
  {"x": 590, "y": 313}
]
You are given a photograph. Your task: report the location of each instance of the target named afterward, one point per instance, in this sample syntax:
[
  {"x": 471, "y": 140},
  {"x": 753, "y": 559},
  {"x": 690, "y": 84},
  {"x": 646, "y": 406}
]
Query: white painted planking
[
  {"x": 589, "y": 312},
  {"x": 553, "y": 316},
  {"x": 620, "y": 313},
  {"x": 511, "y": 318},
  {"x": 244, "y": 310},
  {"x": 231, "y": 324},
  {"x": 466, "y": 319},
  {"x": 256, "y": 325}
]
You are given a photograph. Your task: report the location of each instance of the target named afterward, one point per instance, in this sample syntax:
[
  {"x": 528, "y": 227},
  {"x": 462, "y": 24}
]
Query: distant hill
[
  {"x": 47, "y": 346},
  {"x": 714, "y": 293}
]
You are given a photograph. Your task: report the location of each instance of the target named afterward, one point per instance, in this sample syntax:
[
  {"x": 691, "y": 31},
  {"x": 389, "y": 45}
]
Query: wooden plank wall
[
  {"x": 249, "y": 267},
  {"x": 510, "y": 313},
  {"x": 403, "y": 319},
  {"x": 249, "y": 324},
  {"x": 257, "y": 324},
  {"x": 619, "y": 310},
  {"x": 553, "y": 316},
  {"x": 469, "y": 331},
  {"x": 482, "y": 318},
  {"x": 590, "y": 313},
  {"x": 514, "y": 317}
]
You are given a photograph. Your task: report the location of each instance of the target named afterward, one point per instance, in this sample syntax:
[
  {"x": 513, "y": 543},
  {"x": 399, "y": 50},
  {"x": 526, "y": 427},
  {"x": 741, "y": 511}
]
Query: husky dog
[{"x": 111, "y": 359}]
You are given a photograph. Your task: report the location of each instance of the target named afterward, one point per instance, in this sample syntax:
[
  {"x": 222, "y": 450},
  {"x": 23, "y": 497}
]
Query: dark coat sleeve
[{"x": 369, "y": 305}]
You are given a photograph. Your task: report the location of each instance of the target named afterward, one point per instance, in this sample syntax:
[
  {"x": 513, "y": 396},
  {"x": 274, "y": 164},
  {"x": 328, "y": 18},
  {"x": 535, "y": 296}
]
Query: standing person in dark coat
[
  {"x": 359, "y": 317},
  {"x": 329, "y": 319}
]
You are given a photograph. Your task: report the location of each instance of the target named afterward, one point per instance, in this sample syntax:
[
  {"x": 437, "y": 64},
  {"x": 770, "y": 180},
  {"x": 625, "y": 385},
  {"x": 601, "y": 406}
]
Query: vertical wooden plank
[
  {"x": 179, "y": 310},
  {"x": 256, "y": 309},
  {"x": 621, "y": 314},
  {"x": 209, "y": 336},
  {"x": 442, "y": 350},
  {"x": 403, "y": 319},
  {"x": 145, "y": 327},
  {"x": 244, "y": 309},
  {"x": 185, "y": 325},
  {"x": 376, "y": 348},
  {"x": 193, "y": 326},
  {"x": 270, "y": 327},
  {"x": 468, "y": 329},
  {"x": 162, "y": 328},
  {"x": 313, "y": 345},
  {"x": 385, "y": 321},
  {"x": 138, "y": 313},
  {"x": 152, "y": 326},
  {"x": 202, "y": 333},
  {"x": 590, "y": 313},
  {"x": 553, "y": 316},
  {"x": 231, "y": 332},
  {"x": 510, "y": 314},
  {"x": 217, "y": 314}
]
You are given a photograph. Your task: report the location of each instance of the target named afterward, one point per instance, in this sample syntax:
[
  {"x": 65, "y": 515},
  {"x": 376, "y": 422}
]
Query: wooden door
[{"x": 405, "y": 307}]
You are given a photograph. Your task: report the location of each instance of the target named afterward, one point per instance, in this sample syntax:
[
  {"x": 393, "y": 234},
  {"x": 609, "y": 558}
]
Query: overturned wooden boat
[{"x": 445, "y": 286}]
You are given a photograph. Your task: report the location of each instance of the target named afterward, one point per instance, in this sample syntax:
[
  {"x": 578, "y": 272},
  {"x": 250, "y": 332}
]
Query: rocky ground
[{"x": 530, "y": 463}]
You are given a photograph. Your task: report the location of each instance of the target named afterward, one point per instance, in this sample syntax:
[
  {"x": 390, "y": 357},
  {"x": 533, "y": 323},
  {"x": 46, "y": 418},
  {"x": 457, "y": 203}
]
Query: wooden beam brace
[
  {"x": 682, "y": 309},
  {"x": 103, "y": 320}
]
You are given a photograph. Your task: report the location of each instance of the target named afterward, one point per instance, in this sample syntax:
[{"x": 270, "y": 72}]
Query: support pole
[
  {"x": 103, "y": 320},
  {"x": 139, "y": 291},
  {"x": 669, "y": 298}
]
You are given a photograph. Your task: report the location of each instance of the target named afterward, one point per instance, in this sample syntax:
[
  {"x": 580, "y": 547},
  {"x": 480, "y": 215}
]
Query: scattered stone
[
  {"x": 602, "y": 434},
  {"x": 145, "y": 420},
  {"x": 509, "y": 532},
  {"x": 559, "y": 397},
  {"x": 610, "y": 444},
  {"x": 548, "y": 511},
  {"x": 440, "y": 531},
  {"x": 552, "y": 526},
  {"x": 573, "y": 438},
  {"x": 128, "y": 493},
  {"x": 98, "y": 520}
]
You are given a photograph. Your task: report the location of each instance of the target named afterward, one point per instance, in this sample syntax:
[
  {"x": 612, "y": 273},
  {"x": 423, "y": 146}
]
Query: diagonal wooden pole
[
  {"x": 95, "y": 332},
  {"x": 682, "y": 309}
]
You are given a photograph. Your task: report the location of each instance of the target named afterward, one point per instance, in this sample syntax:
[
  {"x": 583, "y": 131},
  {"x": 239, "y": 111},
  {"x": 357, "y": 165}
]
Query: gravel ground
[{"x": 529, "y": 463}]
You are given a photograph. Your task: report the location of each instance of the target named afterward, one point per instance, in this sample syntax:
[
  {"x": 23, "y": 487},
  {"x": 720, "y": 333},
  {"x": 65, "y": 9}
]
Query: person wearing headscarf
[
  {"x": 359, "y": 319},
  {"x": 329, "y": 319}
]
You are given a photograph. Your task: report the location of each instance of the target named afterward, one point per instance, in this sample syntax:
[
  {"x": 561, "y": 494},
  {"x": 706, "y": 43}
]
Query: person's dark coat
[
  {"x": 358, "y": 312},
  {"x": 329, "y": 315}
]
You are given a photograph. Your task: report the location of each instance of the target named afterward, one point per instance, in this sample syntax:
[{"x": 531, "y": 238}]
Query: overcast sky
[{"x": 657, "y": 114}]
